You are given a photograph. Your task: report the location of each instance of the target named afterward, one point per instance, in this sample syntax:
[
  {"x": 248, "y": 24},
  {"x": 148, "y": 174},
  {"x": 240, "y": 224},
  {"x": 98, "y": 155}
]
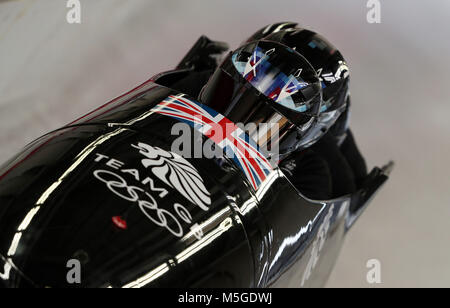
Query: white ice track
[{"x": 52, "y": 72}]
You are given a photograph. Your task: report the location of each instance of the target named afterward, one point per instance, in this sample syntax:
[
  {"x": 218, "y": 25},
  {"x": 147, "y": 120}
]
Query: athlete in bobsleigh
[
  {"x": 107, "y": 190},
  {"x": 292, "y": 76}
]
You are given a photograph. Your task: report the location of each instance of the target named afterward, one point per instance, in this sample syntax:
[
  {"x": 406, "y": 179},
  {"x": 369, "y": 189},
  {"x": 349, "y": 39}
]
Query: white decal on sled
[
  {"x": 177, "y": 173},
  {"x": 172, "y": 169}
]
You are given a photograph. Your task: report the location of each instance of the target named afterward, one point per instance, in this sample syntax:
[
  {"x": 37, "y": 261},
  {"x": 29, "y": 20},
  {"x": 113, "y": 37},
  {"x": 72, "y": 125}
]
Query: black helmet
[
  {"x": 267, "y": 82},
  {"x": 269, "y": 29},
  {"x": 328, "y": 62}
]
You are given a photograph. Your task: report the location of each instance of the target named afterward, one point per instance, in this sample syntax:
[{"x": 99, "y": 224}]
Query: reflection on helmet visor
[{"x": 279, "y": 75}]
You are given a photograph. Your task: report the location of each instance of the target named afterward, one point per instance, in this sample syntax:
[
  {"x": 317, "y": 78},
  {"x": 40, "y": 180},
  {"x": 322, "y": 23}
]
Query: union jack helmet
[
  {"x": 329, "y": 64},
  {"x": 267, "y": 82}
]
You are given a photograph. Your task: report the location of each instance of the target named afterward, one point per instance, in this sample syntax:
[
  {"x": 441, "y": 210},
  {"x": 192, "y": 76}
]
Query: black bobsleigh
[{"x": 108, "y": 192}]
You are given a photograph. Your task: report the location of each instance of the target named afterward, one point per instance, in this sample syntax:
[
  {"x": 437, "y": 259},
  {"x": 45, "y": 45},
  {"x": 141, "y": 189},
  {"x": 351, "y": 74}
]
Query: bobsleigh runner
[{"x": 110, "y": 194}]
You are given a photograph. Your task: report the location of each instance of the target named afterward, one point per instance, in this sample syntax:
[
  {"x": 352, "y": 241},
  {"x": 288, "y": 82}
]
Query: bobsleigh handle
[
  {"x": 362, "y": 198},
  {"x": 202, "y": 55}
]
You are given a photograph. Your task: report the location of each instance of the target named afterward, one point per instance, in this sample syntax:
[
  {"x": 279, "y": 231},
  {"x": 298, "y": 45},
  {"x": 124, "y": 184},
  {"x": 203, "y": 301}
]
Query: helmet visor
[
  {"x": 282, "y": 75},
  {"x": 235, "y": 98}
]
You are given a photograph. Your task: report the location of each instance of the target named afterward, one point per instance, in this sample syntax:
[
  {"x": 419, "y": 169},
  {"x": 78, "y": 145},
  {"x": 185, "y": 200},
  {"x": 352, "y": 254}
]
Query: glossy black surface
[{"x": 56, "y": 205}]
